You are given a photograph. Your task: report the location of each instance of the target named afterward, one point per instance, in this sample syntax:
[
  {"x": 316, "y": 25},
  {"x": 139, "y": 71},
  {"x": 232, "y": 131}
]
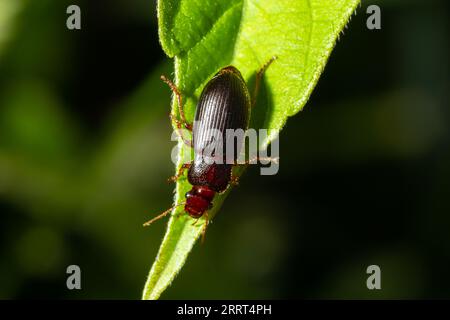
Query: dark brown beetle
[{"x": 224, "y": 103}]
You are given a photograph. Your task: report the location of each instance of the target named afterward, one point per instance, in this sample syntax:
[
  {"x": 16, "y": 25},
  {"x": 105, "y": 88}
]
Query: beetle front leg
[
  {"x": 258, "y": 79},
  {"x": 179, "y": 130},
  {"x": 177, "y": 92},
  {"x": 179, "y": 173}
]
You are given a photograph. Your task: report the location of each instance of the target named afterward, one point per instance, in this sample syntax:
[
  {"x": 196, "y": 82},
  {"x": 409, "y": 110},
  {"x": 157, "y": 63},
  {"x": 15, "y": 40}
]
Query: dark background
[{"x": 364, "y": 173}]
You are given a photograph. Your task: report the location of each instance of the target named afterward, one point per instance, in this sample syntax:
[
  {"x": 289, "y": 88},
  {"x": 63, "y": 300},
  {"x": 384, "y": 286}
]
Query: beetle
[{"x": 224, "y": 103}]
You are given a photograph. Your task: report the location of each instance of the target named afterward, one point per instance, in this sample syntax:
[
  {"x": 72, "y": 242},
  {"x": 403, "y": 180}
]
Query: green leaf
[
  {"x": 204, "y": 36},
  {"x": 8, "y": 12}
]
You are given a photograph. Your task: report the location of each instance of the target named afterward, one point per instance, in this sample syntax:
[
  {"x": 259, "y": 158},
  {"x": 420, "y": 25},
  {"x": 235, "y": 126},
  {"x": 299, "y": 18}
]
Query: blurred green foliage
[{"x": 364, "y": 172}]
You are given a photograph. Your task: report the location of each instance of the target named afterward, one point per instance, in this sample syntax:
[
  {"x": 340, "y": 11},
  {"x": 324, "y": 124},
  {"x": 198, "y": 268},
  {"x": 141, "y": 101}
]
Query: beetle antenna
[{"x": 162, "y": 215}]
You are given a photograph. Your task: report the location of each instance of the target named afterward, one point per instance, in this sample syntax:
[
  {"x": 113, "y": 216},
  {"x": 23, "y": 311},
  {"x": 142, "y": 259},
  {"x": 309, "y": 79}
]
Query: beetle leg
[
  {"x": 195, "y": 222},
  {"x": 205, "y": 226},
  {"x": 179, "y": 132},
  {"x": 177, "y": 92},
  {"x": 177, "y": 122},
  {"x": 258, "y": 79},
  {"x": 179, "y": 173}
]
